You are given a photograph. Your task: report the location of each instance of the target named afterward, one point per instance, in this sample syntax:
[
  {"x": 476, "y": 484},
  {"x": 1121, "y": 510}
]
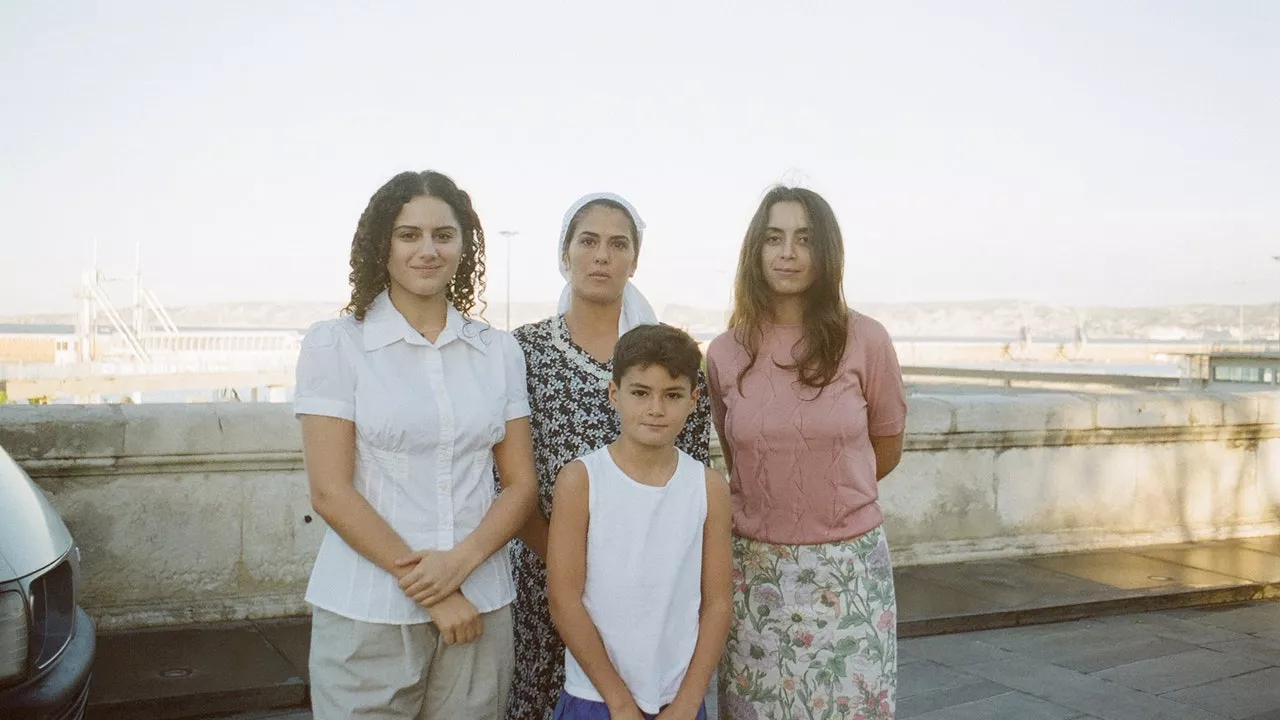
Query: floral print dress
[
  {"x": 570, "y": 417},
  {"x": 814, "y": 632}
]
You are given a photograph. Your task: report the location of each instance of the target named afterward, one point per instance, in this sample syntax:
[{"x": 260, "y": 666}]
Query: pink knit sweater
[{"x": 803, "y": 468}]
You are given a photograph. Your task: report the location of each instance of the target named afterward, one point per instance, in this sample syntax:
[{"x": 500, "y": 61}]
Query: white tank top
[{"x": 644, "y": 577}]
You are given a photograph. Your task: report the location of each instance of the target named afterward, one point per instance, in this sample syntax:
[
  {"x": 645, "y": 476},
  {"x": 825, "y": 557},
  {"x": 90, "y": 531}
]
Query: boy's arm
[
  {"x": 566, "y": 580},
  {"x": 717, "y": 601}
]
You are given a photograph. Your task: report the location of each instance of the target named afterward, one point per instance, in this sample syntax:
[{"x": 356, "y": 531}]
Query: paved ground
[
  {"x": 1211, "y": 663},
  {"x": 1195, "y": 664},
  {"x": 979, "y": 595}
]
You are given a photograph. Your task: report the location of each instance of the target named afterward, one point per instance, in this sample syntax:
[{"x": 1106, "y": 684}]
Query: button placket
[{"x": 444, "y": 450}]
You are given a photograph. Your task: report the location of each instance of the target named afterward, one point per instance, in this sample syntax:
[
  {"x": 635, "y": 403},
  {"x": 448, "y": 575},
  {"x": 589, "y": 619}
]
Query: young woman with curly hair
[{"x": 406, "y": 405}]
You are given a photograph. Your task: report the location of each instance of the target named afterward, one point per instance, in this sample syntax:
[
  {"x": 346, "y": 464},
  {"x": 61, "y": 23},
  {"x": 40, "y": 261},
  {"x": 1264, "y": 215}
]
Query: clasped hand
[
  {"x": 435, "y": 575},
  {"x": 678, "y": 712},
  {"x": 433, "y": 583},
  {"x": 674, "y": 711}
]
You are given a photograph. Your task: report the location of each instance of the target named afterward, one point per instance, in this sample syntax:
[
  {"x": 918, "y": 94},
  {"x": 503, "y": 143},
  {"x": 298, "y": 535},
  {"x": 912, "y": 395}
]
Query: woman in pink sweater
[{"x": 808, "y": 401}]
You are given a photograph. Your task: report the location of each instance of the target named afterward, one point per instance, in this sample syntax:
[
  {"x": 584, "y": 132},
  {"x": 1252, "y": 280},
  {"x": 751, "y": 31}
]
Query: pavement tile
[
  {"x": 905, "y": 656},
  {"x": 172, "y": 673},
  {"x": 955, "y": 650},
  {"x": 292, "y": 638},
  {"x": 1166, "y": 625},
  {"x": 1248, "y": 619},
  {"x": 1064, "y": 640},
  {"x": 1016, "y": 584},
  {"x": 1009, "y": 705},
  {"x": 1268, "y": 635},
  {"x": 1022, "y": 634},
  {"x": 1243, "y": 697},
  {"x": 928, "y": 676},
  {"x": 1133, "y": 572},
  {"x": 1233, "y": 560},
  {"x": 904, "y": 660},
  {"x": 1121, "y": 653},
  {"x": 1267, "y": 544},
  {"x": 1026, "y": 633},
  {"x": 1195, "y": 612},
  {"x": 1175, "y": 672},
  {"x": 1265, "y": 649},
  {"x": 919, "y": 599},
  {"x": 919, "y": 704},
  {"x": 1085, "y": 693}
]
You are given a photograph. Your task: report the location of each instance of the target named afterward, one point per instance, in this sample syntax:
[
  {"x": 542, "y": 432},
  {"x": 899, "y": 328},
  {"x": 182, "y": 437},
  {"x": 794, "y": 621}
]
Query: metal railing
[{"x": 19, "y": 373}]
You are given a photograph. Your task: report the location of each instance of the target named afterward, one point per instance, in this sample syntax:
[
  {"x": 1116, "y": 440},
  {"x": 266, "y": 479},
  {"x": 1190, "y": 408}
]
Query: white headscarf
[{"x": 636, "y": 310}]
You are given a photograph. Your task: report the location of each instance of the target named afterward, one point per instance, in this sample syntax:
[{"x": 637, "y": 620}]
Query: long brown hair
[
  {"x": 826, "y": 315},
  {"x": 371, "y": 245}
]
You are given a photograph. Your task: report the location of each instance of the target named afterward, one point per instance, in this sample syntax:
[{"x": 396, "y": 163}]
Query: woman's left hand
[{"x": 435, "y": 574}]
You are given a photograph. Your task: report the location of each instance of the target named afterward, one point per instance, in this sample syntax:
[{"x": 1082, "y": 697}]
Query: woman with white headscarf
[{"x": 569, "y": 357}]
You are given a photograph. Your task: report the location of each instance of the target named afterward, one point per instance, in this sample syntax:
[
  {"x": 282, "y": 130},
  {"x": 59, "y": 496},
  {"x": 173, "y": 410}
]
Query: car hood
[{"x": 32, "y": 534}]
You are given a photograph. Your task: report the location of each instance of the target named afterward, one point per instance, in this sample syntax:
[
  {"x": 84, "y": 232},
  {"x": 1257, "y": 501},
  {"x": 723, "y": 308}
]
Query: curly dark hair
[{"x": 371, "y": 246}]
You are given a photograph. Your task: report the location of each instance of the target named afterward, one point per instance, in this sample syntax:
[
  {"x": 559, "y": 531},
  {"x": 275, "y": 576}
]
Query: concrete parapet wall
[
  {"x": 200, "y": 512},
  {"x": 184, "y": 513},
  {"x": 1008, "y": 475}
]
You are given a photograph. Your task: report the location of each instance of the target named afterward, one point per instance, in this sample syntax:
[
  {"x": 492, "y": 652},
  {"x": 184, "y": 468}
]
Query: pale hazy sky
[{"x": 1083, "y": 151}]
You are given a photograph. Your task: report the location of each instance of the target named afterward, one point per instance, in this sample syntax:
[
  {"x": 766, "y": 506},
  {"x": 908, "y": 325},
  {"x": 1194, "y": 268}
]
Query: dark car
[{"x": 47, "y": 641}]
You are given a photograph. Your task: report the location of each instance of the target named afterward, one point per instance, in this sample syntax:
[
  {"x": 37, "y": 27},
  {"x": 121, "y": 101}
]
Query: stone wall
[
  {"x": 183, "y": 513},
  {"x": 1007, "y": 475},
  {"x": 200, "y": 512}
]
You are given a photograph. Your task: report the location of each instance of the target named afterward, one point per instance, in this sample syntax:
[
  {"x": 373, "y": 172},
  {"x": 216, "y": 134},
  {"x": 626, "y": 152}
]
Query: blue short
[{"x": 573, "y": 708}]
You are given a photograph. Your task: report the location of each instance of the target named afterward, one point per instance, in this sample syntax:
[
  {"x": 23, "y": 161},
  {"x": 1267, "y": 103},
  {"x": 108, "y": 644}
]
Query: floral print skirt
[{"x": 814, "y": 632}]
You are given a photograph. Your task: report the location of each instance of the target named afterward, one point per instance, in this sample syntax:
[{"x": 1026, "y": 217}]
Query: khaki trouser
[{"x": 405, "y": 672}]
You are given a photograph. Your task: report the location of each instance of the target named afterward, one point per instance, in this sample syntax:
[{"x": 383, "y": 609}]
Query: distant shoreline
[{"x": 972, "y": 321}]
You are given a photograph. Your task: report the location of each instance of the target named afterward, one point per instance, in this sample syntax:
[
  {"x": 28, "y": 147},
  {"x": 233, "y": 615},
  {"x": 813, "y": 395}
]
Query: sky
[{"x": 1087, "y": 152}]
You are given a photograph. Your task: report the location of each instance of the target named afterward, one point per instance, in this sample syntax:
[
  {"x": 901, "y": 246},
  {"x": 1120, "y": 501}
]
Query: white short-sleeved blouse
[{"x": 427, "y": 416}]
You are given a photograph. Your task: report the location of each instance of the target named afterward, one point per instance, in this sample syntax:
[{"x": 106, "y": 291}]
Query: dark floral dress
[{"x": 571, "y": 417}]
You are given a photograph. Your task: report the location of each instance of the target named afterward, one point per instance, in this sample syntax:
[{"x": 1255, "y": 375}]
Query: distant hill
[
  {"x": 280, "y": 315},
  {"x": 1006, "y": 318},
  {"x": 990, "y": 318}
]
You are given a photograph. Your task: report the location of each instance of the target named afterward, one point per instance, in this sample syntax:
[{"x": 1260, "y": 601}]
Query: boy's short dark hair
[{"x": 664, "y": 345}]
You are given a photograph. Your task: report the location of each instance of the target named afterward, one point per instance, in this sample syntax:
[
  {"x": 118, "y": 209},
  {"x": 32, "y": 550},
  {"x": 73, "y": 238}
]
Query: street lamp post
[
  {"x": 508, "y": 234},
  {"x": 1277, "y": 259},
  {"x": 1242, "y": 325},
  {"x": 1240, "y": 338}
]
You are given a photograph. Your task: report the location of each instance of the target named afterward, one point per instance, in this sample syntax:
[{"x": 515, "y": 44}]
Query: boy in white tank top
[{"x": 639, "y": 562}]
